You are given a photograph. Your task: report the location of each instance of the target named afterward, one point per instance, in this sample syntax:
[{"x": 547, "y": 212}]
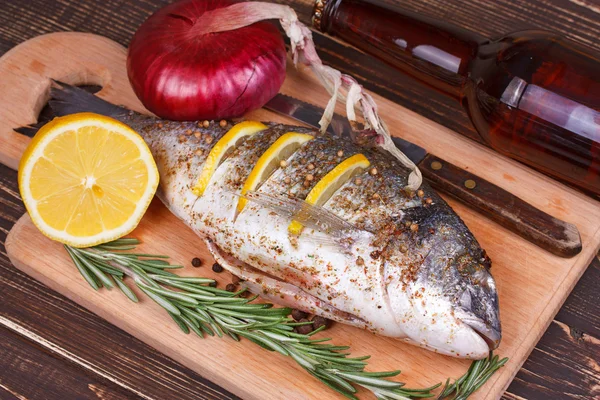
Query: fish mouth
[{"x": 489, "y": 334}]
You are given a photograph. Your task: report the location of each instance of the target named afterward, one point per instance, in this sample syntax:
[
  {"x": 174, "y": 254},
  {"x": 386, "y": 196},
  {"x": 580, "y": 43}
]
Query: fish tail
[{"x": 66, "y": 99}]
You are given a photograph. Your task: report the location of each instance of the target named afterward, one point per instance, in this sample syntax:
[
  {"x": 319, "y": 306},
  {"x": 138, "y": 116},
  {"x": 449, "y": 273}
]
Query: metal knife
[{"x": 556, "y": 236}]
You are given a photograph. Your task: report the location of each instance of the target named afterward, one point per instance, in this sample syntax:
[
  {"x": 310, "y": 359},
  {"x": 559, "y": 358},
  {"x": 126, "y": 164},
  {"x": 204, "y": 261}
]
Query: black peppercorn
[
  {"x": 319, "y": 321},
  {"x": 298, "y": 314},
  {"x": 304, "y": 329},
  {"x": 230, "y": 287},
  {"x": 217, "y": 268},
  {"x": 196, "y": 262},
  {"x": 213, "y": 284}
]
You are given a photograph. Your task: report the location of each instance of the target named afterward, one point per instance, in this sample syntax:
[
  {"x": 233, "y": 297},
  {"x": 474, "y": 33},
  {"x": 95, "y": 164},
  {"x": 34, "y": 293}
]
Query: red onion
[
  {"x": 212, "y": 59},
  {"x": 180, "y": 71}
]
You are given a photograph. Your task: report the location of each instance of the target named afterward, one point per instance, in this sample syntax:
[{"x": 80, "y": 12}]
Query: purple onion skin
[{"x": 214, "y": 76}]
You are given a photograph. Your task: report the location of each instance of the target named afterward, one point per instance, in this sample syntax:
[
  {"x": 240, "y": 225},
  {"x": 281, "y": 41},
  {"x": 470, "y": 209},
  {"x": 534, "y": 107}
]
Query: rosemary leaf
[{"x": 125, "y": 289}]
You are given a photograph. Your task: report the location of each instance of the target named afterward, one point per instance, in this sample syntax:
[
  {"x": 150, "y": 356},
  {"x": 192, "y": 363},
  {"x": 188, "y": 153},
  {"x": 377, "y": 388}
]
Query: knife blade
[{"x": 552, "y": 234}]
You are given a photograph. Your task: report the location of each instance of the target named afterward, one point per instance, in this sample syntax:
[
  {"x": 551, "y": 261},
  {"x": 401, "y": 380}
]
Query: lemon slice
[
  {"x": 87, "y": 179},
  {"x": 269, "y": 161},
  {"x": 228, "y": 141},
  {"x": 330, "y": 183}
]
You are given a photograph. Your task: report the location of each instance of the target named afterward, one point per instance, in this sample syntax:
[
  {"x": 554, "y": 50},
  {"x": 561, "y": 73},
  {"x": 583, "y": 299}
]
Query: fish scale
[{"x": 409, "y": 268}]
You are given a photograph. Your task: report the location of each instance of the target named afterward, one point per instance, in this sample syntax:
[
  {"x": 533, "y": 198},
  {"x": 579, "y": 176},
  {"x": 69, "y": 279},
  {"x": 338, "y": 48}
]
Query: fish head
[{"x": 447, "y": 302}]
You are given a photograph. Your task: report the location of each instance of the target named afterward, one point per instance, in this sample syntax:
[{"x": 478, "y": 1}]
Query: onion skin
[{"x": 179, "y": 76}]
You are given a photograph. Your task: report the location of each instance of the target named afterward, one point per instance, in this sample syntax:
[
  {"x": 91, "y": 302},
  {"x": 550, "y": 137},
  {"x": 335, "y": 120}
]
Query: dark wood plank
[
  {"x": 549, "y": 373},
  {"x": 102, "y": 349},
  {"x": 32, "y": 372}
]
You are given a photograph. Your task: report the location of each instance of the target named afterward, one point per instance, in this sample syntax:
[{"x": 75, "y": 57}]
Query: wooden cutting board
[{"x": 532, "y": 283}]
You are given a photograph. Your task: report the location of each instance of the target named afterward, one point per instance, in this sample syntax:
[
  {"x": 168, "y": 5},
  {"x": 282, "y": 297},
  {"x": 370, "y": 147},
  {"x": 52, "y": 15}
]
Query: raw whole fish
[{"x": 400, "y": 264}]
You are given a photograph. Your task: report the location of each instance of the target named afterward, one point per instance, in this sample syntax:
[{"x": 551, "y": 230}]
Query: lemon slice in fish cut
[
  {"x": 227, "y": 142},
  {"x": 280, "y": 150},
  {"x": 330, "y": 183}
]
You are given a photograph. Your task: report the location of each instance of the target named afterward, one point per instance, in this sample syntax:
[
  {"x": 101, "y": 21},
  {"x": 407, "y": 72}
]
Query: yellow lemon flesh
[
  {"x": 87, "y": 179},
  {"x": 270, "y": 160},
  {"x": 228, "y": 141},
  {"x": 330, "y": 183}
]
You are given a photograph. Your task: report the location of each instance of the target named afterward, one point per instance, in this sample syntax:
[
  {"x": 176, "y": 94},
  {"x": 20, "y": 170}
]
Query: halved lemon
[
  {"x": 270, "y": 160},
  {"x": 87, "y": 179},
  {"x": 330, "y": 183},
  {"x": 228, "y": 141}
]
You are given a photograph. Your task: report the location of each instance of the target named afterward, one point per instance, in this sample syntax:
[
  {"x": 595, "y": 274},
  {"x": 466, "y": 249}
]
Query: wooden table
[{"x": 51, "y": 348}]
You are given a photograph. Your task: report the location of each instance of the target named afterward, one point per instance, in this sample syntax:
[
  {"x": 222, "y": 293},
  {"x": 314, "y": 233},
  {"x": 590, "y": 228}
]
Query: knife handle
[{"x": 558, "y": 237}]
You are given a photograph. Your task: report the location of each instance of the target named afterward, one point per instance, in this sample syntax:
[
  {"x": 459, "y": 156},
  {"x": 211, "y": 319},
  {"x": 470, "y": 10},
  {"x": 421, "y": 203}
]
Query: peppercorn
[
  {"x": 217, "y": 268},
  {"x": 188, "y": 131},
  {"x": 340, "y": 153},
  {"x": 230, "y": 287},
  {"x": 283, "y": 163},
  {"x": 311, "y": 166},
  {"x": 373, "y": 171},
  {"x": 287, "y": 180},
  {"x": 420, "y": 193},
  {"x": 306, "y": 183},
  {"x": 208, "y": 139},
  {"x": 298, "y": 314},
  {"x": 222, "y": 123},
  {"x": 199, "y": 152},
  {"x": 197, "y": 134},
  {"x": 196, "y": 262},
  {"x": 213, "y": 284},
  {"x": 310, "y": 177},
  {"x": 319, "y": 321},
  {"x": 304, "y": 329},
  {"x": 206, "y": 124}
]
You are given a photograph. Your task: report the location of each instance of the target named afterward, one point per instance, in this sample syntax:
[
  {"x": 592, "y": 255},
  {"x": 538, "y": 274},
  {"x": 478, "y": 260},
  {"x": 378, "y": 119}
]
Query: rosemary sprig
[
  {"x": 195, "y": 306},
  {"x": 479, "y": 372}
]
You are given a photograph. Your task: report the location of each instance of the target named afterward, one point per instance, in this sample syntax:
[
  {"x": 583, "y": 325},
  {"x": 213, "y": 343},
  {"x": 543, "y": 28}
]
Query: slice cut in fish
[
  {"x": 271, "y": 159},
  {"x": 330, "y": 183},
  {"x": 227, "y": 142}
]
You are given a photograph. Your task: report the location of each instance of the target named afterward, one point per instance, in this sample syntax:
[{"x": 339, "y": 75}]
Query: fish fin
[
  {"x": 278, "y": 291},
  {"x": 311, "y": 216},
  {"x": 66, "y": 99}
]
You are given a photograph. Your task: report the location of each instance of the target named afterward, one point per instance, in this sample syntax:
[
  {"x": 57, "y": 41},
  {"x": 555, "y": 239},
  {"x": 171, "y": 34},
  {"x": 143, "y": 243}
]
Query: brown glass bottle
[{"x": 532, "y": 95}]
